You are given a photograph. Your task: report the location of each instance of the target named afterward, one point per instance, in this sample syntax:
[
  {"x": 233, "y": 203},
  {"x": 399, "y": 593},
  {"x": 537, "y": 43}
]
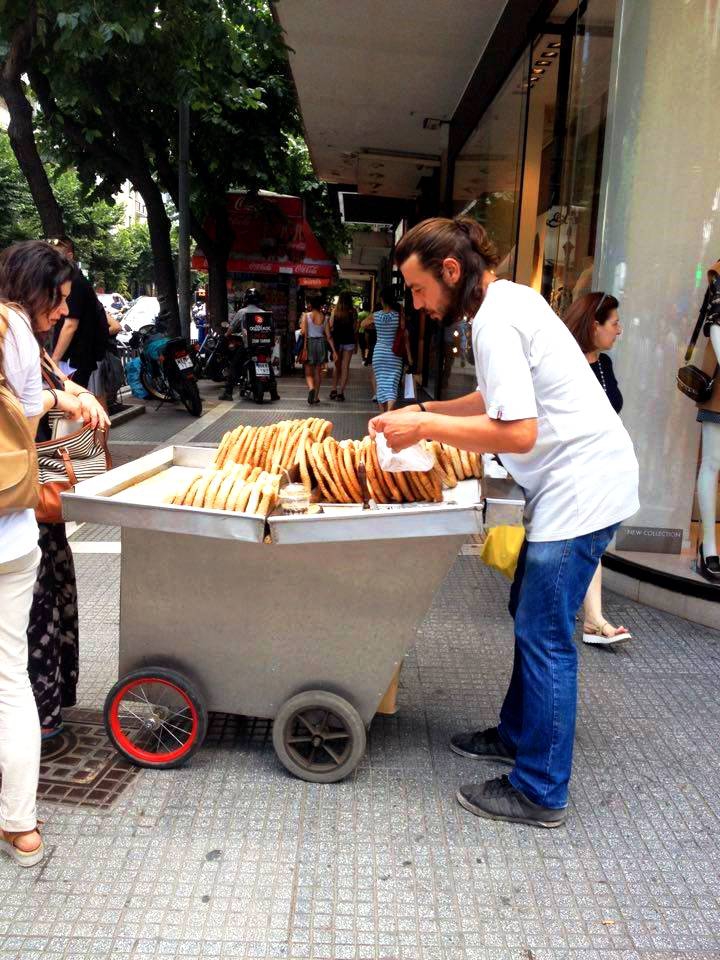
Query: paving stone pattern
[{"x": 231, "y": 857}]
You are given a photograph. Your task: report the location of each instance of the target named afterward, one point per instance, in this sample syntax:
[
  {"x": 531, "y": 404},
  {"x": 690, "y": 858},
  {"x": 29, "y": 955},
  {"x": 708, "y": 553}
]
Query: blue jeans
[{"x": 537, "y": 719}]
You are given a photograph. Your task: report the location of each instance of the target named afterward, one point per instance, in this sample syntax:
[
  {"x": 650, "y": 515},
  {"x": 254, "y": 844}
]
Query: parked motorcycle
[
  {"x": 212, "y": 360},
  {"x": 258, "y": 373},
  {"x": 167, "y": 368}
]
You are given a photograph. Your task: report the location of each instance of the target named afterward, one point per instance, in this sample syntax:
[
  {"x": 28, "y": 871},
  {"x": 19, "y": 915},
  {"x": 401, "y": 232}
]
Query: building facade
[{"x": 582, "y": 136}]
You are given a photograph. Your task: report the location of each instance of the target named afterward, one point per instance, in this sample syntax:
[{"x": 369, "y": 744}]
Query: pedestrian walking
[
  {"x": 387, "y": 366},
  {"x": 594, "y": 321},
  {"x": 29, "y": 275},
  {"x": 343, "y": 326},
  {"x": 315, "y": 328},
  {"x": 539, "y": 406}
]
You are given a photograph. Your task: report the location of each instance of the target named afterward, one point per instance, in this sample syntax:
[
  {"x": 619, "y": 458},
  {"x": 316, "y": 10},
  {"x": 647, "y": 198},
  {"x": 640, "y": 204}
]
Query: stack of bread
[
  {"x": 237, "y": 488},
  {"x": 335, "y": 467},
  {"x": 250, "y": 461},
  {"x": 274, "y": 448}
]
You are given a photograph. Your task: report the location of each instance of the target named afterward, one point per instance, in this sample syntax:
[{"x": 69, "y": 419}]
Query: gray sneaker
[
  {"x": 499, "y": 800},
  {"x": 482, "y": 745}
]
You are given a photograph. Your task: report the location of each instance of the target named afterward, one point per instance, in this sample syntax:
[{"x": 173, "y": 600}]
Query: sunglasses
[{"x": 603, "y": 298}]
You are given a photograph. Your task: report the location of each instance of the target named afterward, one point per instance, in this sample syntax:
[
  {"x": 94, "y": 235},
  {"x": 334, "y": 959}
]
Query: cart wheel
[
  {"x": 319, "y": 736},
  {"x": 155, "y": 718}
]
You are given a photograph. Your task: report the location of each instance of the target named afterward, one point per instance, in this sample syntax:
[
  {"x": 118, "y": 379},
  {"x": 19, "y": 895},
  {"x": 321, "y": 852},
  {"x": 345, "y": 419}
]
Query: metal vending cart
[{"x": 225, "y": 612}]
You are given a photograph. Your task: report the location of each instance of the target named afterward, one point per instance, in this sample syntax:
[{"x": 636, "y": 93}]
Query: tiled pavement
[{"x": 231, "y": 857}]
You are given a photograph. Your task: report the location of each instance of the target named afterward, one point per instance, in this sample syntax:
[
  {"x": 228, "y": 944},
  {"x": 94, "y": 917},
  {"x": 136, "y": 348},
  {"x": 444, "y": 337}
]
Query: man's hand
[{"x": 401, "y": 429}]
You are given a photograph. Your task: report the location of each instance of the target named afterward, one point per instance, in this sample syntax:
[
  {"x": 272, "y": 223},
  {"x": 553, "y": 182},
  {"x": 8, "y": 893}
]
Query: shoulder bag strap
[{"x": 698, "y": 326}]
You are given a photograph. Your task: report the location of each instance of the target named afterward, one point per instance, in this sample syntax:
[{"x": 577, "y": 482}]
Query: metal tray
[
  {"x": 109, "y": 499},
  {"x": 460, "y": 514}
]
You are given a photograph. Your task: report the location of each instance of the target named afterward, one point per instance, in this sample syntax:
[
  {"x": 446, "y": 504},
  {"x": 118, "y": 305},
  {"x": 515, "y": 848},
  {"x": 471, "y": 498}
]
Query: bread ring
[
  {"x": 201, "y": 490},
  {"x": 222, "y": 450},
  {"x": 377, "y": 490},
  {"x": 313, "y": 450},
  {"x": 465, "y": 461},
  {"x": 239, "y": 502},
  {"x": 254, "y": 499},
  {"x": 477, "y": 465},
  {"x": 212, "y": 489},
  {"x": 184, "y": 487},
  {"x": 302, "y": 460},
  {"x": 238, "y": 445},
  {"x": 190, "y": 495},
  {"x": 405, "y": 487},
  {"x": 435, "y": 477},
  {"x": 225, "y": 488},
  {"x": 383, "y": 481},
  {"x": 235, "y": 491},
  {"x": 347, "y": 468},
  {"x": 326, "y": 453},
  {"x": 416, "y": 485},
  {"x": 267, "y": 500},
  {"x": 457, "y": 466}
]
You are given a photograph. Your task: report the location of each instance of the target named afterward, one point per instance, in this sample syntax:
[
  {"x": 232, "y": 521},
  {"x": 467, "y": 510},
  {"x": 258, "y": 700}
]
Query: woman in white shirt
[
  {"x": 19, "y": 558},
  {"x": 35, "y": 277}
]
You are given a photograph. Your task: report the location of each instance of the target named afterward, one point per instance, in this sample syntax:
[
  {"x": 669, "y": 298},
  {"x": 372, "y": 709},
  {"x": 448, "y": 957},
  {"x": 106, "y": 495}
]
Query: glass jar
[{"x": 294, "y": 498}]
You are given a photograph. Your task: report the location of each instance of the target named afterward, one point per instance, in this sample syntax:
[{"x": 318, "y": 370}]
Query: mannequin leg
[{"x": 707, "y": 485}]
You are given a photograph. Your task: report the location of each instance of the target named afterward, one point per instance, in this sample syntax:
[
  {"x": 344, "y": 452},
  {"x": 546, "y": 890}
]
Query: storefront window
[
  {"x": 572, "y": 222},
  {"x": 488, "y": 172},
  {"x": 487, "y": 186}
]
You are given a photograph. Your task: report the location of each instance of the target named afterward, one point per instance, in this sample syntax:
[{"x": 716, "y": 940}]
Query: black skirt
[{"x": 53, "y": 650}]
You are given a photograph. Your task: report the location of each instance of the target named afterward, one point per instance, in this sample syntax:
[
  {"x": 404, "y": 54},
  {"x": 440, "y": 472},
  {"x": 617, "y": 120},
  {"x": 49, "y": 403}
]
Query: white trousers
[{"x": 19, "y": 723}]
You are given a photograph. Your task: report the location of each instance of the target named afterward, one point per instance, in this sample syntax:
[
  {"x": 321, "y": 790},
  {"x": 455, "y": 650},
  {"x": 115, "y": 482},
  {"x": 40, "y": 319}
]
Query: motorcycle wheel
[
  {"x": 190, "y": 396},
  {"x": 258, "y": 393},
  {"x": 155, "y": 386}
]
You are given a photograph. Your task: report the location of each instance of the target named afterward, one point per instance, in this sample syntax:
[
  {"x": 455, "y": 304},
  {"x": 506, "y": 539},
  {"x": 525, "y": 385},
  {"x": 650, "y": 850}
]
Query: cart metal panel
[{"x": 254, "y": 625}]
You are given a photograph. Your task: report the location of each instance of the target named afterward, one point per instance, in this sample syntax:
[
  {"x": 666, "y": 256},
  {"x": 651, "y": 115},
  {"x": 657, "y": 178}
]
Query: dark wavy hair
[
  {"x": 461, "y": 238},
  {"x": 584, "y": 312},
  {"x": 31, "y": 275}
]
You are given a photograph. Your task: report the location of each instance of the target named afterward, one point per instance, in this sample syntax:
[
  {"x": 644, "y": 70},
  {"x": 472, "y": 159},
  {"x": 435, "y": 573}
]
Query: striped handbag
[{"x": 64, "y": 461}]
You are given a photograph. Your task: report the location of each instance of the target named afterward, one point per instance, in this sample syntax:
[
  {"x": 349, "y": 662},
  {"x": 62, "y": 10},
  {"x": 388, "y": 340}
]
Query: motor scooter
[
  {"x": 258, "y": 373},
  {"x": 166, "y": 368}
]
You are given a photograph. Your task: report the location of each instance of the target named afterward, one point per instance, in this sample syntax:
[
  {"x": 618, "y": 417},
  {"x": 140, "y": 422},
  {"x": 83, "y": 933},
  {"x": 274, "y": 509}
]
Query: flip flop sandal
[
  {"x": 26, "y": 858},
  {"x": 596, "y": 635}
]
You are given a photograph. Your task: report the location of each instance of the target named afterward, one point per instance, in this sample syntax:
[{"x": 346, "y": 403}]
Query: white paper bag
[
  {"x": 409, "y": 387},
  {"x": 415, "y": 458}
]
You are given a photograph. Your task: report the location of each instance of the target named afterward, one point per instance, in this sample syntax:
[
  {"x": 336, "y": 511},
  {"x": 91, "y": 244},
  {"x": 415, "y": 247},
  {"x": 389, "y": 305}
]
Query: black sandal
[
  {"x": 340, "y": 397},
  {"x": 311, "y": 397},
  {"x": 333, "y": 395}
]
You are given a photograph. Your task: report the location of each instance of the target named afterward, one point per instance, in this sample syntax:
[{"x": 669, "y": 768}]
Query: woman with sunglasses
[{"x": 595, "y": 323}]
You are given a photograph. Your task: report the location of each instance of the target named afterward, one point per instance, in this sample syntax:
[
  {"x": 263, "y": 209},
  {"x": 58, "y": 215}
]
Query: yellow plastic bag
[{"x": 502, "y": 549}]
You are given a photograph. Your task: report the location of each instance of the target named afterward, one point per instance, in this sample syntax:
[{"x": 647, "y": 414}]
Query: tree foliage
[{"x": 108, "y": 76}]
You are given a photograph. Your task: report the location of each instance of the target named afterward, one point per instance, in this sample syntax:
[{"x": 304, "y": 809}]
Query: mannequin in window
[{"x": 708, "y": 564}]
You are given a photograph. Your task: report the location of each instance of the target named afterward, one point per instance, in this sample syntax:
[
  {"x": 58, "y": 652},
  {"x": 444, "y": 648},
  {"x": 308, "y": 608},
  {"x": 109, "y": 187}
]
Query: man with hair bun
[{"x": 541, "y": 409}]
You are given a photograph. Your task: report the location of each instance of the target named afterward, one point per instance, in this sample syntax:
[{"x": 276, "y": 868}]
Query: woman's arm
[{"x": 328, "y": 337}]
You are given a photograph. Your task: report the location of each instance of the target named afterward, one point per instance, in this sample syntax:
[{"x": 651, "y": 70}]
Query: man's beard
[{"x": 452, "y": 312}]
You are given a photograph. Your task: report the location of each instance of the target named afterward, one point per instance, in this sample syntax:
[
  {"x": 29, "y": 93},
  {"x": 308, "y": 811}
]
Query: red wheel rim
[{"x": 154, "y": 722}]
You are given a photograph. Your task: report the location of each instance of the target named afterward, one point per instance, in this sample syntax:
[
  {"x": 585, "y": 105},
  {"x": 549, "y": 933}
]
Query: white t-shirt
[
  {"x": 582, "y": 474},
  {"x": 21, "y": 365}
]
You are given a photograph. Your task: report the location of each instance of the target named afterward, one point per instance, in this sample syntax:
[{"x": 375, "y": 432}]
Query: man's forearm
[
  {"x": 480, "y": 433},
  {"x": 471, "y": 405},
  {"x": 65, "y": 337}
]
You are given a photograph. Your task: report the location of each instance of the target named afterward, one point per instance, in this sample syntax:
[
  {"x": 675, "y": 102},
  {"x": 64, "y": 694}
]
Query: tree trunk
[
  {"x": 159, "y": 229},
  {"x": 217, "y": 254},
  {"x": 20, "y": 129}
]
